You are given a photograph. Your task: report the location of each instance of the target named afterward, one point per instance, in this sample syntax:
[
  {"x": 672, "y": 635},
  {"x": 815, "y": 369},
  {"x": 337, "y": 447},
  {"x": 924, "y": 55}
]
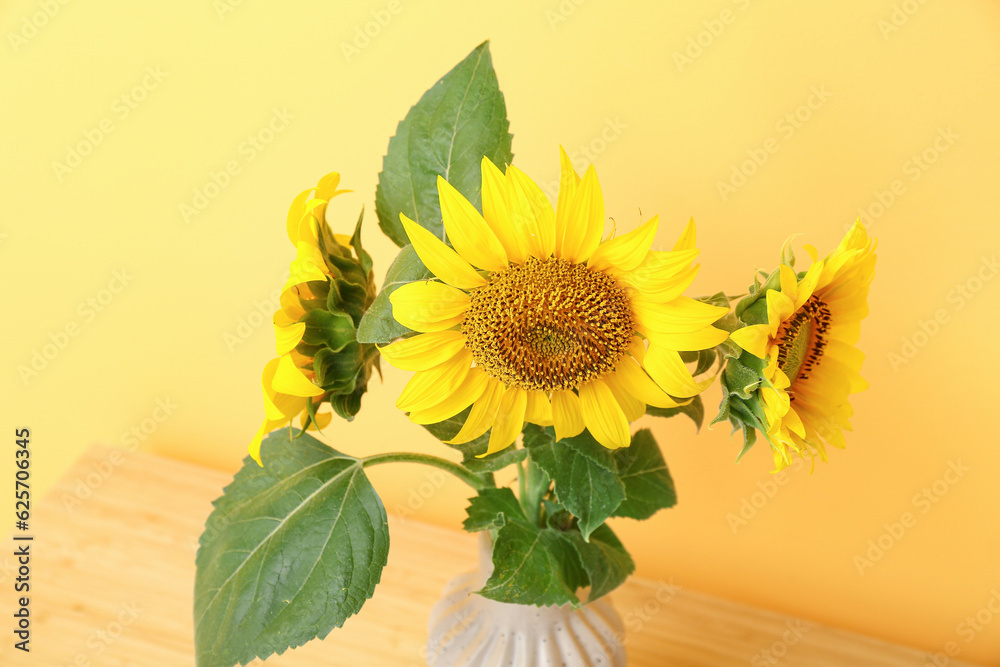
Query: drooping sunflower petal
[
  {"x": 424, "y": 351},
  {"x": 428, "y": 306},
  {"x": 627, "y": 251},
  {"x": 278, "y": 406},
  {"x": 289, "y": 379},
  {"x": 442, "y": 261},
  {"x": 287, "y": 337},
  {"x": 509, "y": 420},
  {"x": 603, "y": 416},
  {"x": 468, "y": 231},
  {"x": 567, "y": 417}
]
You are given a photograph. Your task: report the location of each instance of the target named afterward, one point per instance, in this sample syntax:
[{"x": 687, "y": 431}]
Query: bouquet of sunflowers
[{"x": 535, "y": 336}]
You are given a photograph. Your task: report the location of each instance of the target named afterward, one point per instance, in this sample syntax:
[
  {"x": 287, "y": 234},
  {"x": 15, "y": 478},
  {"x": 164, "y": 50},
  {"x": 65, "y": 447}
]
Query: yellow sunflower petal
[
  {"x": 468, "y": 393},
  {"x": 442, "y": 261},
  {"x": 688, "y": 237},
  {"x": 509, "y": 420},
  {"x": 482, "y": 415},
  {"x": 681, "y": 315},
  {"x": 789, "y": 282},
  {"x": 779, "y": 307},
  {"x": 539, "y": 410},
  {"x": 289, "y": 379},
  {"x": 567, "y": 416},
  {"x": 693, "y": 341},
  {"x": 327, "y": 186},
  {"x": 603, "y": 416},
  {"x": 584, "y": 220},
  {"x": 497, "y": 214},
  {"x": 428, "y": 306},
  {"x": 295, "y": 213},
  {"x": 287, "y": 337},
  {"x": 278, "y": 406},
  {"x": 633, "y": 379},
  {"x": 429, "y": 388},
  {"x": 531, "y": 213},
  {"x": 468, "y": 231},
  {"x": 265, "y": 428},
  {"x": 754, "y": 339},
  {"x": 424, "y": 351},
  {"x": 569, "y": 180},
  {"x": 630, "y": 405},
  {"x": 670, "y": 373},
  {"x": 627, "y": 251}
]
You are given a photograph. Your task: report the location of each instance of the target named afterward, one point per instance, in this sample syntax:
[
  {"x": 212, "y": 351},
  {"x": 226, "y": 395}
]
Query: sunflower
[
  {"x": 330, "y": 285},
  {"x": 804, "y": 330},
  {"x": 532, "y": 318}
]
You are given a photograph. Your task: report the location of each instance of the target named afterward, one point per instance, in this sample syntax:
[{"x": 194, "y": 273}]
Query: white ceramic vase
[{"x": 468, "y": 630}]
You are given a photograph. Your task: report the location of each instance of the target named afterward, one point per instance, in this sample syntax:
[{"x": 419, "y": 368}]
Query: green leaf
[
  {"x": 695, "y": 410},
  {"x": 648, "y": 485},
  {"x": 604, "y": 560},
  {"x": 492, "y": 508},
  {"x": 293, "y": 550},
  {"x": 584, "y": 472},
  {"x": 533, "y": 566},
  {"x": 378, "y": 325},
  {"x": 458, "y": 121}
]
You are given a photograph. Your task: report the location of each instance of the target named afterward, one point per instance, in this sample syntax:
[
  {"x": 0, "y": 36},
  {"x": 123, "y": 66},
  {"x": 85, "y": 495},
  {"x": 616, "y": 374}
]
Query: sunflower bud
[
  {"x": 330, "y": 286},
  {"x": 792, "y": 363}
]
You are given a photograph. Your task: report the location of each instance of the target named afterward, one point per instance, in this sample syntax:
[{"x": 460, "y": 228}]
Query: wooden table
[{"x": 113, "y": 571}]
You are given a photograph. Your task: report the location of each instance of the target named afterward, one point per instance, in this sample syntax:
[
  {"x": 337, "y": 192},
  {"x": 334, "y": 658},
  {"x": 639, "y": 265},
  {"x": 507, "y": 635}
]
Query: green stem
[
  {"x": 426, "y": 459},
  {"x": 537, "y": 483}
]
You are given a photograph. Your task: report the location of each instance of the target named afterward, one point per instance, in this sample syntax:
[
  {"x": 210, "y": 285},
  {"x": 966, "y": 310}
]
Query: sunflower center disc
[
  {"x": 803, "y": 339},
  {"x": 548, "y": 325}
]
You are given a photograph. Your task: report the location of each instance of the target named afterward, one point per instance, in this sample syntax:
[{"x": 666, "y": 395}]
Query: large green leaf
[
  {"x": 604, "y": 560},
  {"x": 378, "y": 325},
  {"x": 584, "y": 473},
  {"x": 461, "y": 119},
  {"x": 294, "y": 549},
  {"x": 648, "y": 485},
  {"x": 533, "y": 565},
  {"x": 492, "y": 508}
]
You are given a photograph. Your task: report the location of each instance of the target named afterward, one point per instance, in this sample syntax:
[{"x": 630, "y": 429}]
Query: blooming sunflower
[
  {"x": 330, "y": 285},
  {"x": 805, "y": 329},
  {"x": 532, "y": 318}
]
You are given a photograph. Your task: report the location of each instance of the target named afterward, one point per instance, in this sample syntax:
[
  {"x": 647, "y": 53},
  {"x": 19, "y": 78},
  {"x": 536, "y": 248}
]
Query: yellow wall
[{"x": 665, "y": 132}]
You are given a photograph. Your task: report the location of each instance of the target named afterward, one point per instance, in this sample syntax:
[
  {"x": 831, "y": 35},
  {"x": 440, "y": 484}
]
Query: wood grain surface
[{"x": 113, "y": 570}]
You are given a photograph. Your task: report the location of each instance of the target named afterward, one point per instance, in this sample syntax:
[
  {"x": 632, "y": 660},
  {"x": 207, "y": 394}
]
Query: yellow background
[{"x": 663, "y": 132}]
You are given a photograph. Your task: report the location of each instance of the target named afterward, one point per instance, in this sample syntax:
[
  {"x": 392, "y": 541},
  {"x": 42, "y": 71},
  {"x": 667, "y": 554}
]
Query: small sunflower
[
  {"x": 804, "y": 330},
  {"x": 330, "y": 286},
  {"x": 532, "y": 318}
]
